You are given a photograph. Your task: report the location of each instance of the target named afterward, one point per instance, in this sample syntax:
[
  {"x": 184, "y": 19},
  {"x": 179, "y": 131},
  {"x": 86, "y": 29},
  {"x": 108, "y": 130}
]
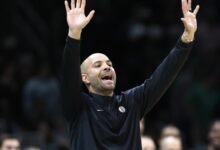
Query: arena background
[{"x": 136, "y": 35}]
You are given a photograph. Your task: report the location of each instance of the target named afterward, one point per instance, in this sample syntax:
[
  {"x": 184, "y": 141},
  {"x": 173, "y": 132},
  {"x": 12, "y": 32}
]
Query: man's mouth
[
  {"x": 107, "y": 77},
  {"x": 108, "y": 80}
]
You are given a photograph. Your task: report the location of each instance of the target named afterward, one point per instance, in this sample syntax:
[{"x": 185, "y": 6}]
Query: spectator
[
  {"x": 170, "y": 130},
  {"x": 170, "y": 143},
  {"x": 213, "y": 137},
  {"x": 147, "y": 143},
  {"x": 9, "y": 142}
]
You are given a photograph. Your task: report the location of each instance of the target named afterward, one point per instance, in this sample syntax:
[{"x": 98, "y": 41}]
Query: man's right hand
[{"x": 76, "y": 18}]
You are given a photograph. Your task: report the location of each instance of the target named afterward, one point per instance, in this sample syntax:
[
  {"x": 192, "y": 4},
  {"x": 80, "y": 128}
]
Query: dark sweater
[{"x": 112, "y": 123}]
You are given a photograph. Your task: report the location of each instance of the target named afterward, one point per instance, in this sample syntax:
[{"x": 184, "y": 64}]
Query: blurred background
[{"x": 136, "y": 35}]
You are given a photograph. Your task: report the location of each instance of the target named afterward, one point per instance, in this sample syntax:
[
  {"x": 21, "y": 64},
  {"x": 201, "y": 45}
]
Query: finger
[
  {"x": 184, "y": 7},
  {"x": 89, "y": 17},
  {"x": 72, "y": 4},
  {"x": 184, "y": 22},
  {"x": 196, "y": 10},
  {"x": 189, "y": 5},
  {"x": 66, "y": 6},
  {"x": 83, "y": 4},
  {"x": 78, "y": 3}
]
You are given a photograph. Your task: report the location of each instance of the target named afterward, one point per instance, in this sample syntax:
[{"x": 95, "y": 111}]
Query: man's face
[
  {"x": 10, "y": 144},
  {"x": 170, "y": 131},
  {"x": 147, "y": 144},
  {"x": 170, "y": 143},
  {"x": 100, "y": 76},
  {"x": 214, "y": 134}
]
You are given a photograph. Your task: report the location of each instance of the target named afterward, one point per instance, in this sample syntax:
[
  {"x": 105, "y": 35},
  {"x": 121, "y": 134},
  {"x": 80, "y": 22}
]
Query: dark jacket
[{"x": 112, "y": 123}]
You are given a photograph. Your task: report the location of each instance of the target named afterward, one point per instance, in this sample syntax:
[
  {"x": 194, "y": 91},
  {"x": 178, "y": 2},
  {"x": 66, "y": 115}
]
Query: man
[
  {"x": 170, "y": 143},
  {"x": 100, "y": 119},
  {"x": 147, "y": 143},
  {"x": 213, "y": 137},
  {"x": 170, "y": 130},
  {"x": 9, "y": 142}
]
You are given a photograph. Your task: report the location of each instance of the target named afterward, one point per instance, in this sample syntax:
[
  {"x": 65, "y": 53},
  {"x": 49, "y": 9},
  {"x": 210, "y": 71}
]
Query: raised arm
[
  {"x": 167, "y": 71},
  {"x": 70, "y": 73},
  {"x": 153, "y": 88}
]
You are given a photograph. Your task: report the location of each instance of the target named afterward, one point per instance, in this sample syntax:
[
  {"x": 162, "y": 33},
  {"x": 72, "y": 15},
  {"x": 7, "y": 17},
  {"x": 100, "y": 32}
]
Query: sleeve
[
  {"x": 148, "y": 94},
  {"x": 71, "y": 80}
]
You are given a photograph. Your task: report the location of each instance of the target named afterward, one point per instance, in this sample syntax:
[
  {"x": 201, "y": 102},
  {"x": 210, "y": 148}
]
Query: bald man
[
  {"x": 170, "y": 143},
  {"x": 147, "y": 143},
  {"x": 101, "y": 119},
  {"x": 9, "y": 142},
  {"x": 170, "y": 130}
]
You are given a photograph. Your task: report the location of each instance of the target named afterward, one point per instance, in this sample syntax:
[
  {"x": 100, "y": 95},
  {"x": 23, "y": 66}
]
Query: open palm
[
  {"x": 76, "y": 18},
  {"x": 189, "y": 18}
]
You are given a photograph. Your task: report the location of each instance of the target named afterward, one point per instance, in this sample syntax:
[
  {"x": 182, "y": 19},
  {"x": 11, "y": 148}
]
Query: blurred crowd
[
  {"x": 136, "y": 35},
  {"x": 172, "y": 138}
]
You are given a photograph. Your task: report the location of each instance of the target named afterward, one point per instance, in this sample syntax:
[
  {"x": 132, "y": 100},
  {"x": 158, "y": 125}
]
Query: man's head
[
  {"x": 214, "y": 134},
  {"x": 9, "y": 142},
  {"x": 170, "y": 143},
  {"x": 147, "y": 143},
  {"x": 170, "y": 130},
  {"x": 98, "y": 74}
]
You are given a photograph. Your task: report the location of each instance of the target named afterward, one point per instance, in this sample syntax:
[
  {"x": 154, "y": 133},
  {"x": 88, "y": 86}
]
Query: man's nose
[{"x": 106, "y": 67}]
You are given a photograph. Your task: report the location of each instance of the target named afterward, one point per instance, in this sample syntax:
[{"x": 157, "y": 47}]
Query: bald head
[
  {"x": 170, "y": 130},
  {"x": 9, "y": 142},
  {"x": 170, "y": 143},
  {"x": 147, "y": 143},
  {"x": 90, "y": 59}
]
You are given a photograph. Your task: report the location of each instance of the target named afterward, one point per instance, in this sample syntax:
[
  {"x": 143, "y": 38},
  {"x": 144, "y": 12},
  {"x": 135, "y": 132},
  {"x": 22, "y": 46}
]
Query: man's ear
[{"x": 85, "y": 78}]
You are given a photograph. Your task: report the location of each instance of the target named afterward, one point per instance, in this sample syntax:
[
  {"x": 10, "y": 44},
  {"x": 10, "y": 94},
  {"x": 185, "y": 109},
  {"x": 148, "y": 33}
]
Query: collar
[{"x": 102, "y": 100}]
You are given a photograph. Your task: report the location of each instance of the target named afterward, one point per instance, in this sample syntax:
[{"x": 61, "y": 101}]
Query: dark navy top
[{"x": 112, "y": 123}]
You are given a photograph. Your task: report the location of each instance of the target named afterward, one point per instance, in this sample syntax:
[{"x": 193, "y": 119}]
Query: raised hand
[
  {"x": 189, "y": 21},
  {"x": 76, "y": 18}
]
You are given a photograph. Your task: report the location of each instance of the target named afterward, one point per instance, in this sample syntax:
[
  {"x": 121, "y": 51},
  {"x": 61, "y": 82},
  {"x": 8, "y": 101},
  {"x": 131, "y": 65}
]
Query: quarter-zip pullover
[{"x": 112, "y": 123}]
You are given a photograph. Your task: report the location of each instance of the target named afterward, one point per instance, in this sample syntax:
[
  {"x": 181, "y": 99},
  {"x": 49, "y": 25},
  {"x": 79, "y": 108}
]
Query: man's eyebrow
[
  {"x": 98, "y": 61},
  {"x": 109, "y": 61}
]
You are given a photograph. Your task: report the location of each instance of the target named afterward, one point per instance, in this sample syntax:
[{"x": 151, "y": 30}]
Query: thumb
[
  {"x": 184, "y": 22},
  {"x": 89, "y": 17}
]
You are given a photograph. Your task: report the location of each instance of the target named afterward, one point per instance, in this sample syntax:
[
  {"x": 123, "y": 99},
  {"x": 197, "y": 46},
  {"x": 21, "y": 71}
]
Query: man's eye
[
  {"x": 109, "y": 63},
  {"x": 97, "y": 65}
]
